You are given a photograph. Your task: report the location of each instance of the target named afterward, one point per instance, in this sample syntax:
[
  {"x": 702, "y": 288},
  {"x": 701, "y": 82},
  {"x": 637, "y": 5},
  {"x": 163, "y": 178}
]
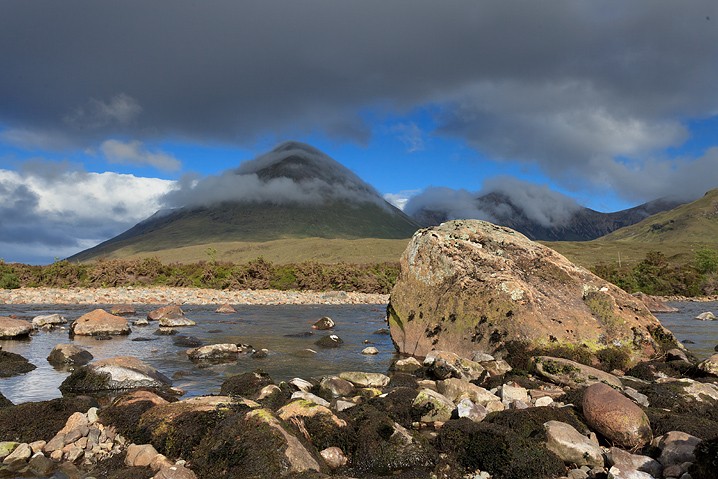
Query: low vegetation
[
  {"x": 256, "y": 274},
  {"x": 655, "y": 274}
]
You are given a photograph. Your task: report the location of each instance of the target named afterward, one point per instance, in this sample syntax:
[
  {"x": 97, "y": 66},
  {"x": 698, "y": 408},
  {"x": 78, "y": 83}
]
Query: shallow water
[
  {"x": 259, "y": 326},
  {"x": 262, "y": 327},
  {"x": 699, "y": 337}
]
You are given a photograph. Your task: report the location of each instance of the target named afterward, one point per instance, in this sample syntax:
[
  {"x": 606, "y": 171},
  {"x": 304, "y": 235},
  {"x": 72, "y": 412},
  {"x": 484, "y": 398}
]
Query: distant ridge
[
  {"x": 583, "y": 224},
  {"x": 695, "y": 222},
  {"x": 294, "y": 191}
]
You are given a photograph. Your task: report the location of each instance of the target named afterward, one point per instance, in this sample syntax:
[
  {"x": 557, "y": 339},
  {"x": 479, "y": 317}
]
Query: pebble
[{"x": 175, "y": 295}]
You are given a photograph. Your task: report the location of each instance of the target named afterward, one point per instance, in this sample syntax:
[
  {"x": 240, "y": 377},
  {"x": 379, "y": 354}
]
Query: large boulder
[
  {"x": 616, "y": 417},
  {"x": 469, "y": 285},
  {"x": 122, "y": 372},
  {"x": 47, "y": 321},
  {"x": 171, "y": 311},
  {"x": 11, "y": 328},
  {"x": 99, "y": 323}
]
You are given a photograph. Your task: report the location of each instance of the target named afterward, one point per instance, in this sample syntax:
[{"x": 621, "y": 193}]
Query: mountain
[
  {"x": 575, "y": 224},
  {"x": 294, "y": 191},
  {"x": 695, "y": 222}
]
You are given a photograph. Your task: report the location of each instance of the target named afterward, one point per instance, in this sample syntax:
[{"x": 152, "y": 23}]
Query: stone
[
  {"x": 407, "y": 365},
  {"x": 710, "y": 365},
  {"x": 122, "y": 310},
  {"x": 6, "y": 448},
  {"x": 615, "y": 416},
  {"x": 140, "y": 455},
  {"x": 570, "y": 373},
  {"x": 298, "y": 458},
  {"x": 510, "y": 393},
  {"x": 655, "y": 305},
  {"x": 248, "y": 384},
  {"x": 309, "y": 409},
  {"x": 637, "y": 397},
  {"x": 571, "y": 446},
  {"x": 334, "y": 457},
  {"x": 214, "y": 352},
  {"x": 343, "y": 405},
  {"x": 260, "y": 353},
  {"x": 497, "y": 367},
  {"x": 433, "y": 406},
  {"x": 20, "y": 455},
  {"x": 313, "y": 398},
  {"x": 122, "y": 372},
  {"x": 543, "y": 401},
  {"x": 330, "y": 341},
  {"x": 474, "y": 412},
  {"x": 160, "y": 461},
  {"x": 370, "y": 351},
  {"x": 11, "y": 328},
  {"x": 677, "y": 447},
  {"x": 577, "y": 474},
  {"x": 456, "y": 389},
  {"x": 707, "y": 316},
  {"x": 142, "y": 322},
  {"x": 366, "y": 380},
  {"x": 171, "y": 311},
  {"x": 183, "y": 341},
  {"x": 503, "y": 286},
  {"x": 176, "y": 322},
  {"x": 225, "y": 309},
  {"x": 324, "y": 323},
  {"x": 445, "y": 364},
  {"x": 301, "y": 384},
  {"x": 12, "y": 364},
  {"x": 99, "y": 323},
  {"x": 41, "y": 466},
  {"x": 63, "y": 354},
  {"x": 37, "y": 446},
  {"x": 676, "y": 354},
  {"x": 625, "y": 461},
  {"x": 268, "y": 391},
  {"x": 616, "y": 473},
  {"x": 337, "y": 386},
  {"x": 48, "y": 320},
  {"x": 175, "y": 472}
]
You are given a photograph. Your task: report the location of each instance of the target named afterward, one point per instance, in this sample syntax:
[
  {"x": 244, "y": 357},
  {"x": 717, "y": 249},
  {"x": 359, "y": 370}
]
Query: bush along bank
[
  {"x": 257, "y": 274},
  {"x": 443, "y": 417}
]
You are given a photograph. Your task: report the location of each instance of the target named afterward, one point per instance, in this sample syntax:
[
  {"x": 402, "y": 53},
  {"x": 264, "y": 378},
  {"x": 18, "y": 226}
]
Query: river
[{"x": 276, "y": 328}]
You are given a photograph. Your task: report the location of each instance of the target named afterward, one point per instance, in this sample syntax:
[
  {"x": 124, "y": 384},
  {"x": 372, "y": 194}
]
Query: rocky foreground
[
  {"x": 443, "y": 417},
  {"x": 165, "y": 295}
]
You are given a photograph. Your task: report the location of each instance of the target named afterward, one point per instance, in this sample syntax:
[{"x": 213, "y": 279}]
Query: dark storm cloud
[{"x": 571, "y": 85}]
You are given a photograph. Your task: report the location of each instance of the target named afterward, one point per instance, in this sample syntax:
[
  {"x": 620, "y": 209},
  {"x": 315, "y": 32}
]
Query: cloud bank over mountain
[{"x": 594, "y": 94}]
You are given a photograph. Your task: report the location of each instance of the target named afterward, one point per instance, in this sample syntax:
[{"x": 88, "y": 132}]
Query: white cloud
[
  {"x": 411, "y": 135},
  {"x": 134, "y": 153},
  {"x": 43, "y": 217},
  {"x": 401, "y": 198}
]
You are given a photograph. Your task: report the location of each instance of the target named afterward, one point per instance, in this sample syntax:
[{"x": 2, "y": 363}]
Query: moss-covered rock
[
  {"x": 35, "y": 421},
  {"x": 498, "y": 450},
  {"x": 4, "y": 402},
  {"x": 12, "y": 364},
  {"x": 246, "y": 385},
  {"x": 125, "y": 411},
  {"x": 706, "y": 463}
]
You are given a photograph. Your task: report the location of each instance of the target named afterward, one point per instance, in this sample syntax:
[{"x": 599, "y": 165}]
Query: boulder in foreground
[
  {"x": 99, "y": 323},
  {"x": 122, "y": 372},
  {"x": 469, "y": 285},
  {"x": 615, "y": 416}
]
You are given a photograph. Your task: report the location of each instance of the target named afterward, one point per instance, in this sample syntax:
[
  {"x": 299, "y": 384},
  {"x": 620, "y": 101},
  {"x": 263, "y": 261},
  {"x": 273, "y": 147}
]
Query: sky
[{"x": 106, "y": 107}]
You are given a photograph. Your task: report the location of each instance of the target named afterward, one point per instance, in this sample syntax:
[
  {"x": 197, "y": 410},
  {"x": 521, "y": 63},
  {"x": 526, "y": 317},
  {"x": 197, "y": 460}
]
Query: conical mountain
[
  {"x": 294, "y": 191},
  {"x": 695, "y": 222}
]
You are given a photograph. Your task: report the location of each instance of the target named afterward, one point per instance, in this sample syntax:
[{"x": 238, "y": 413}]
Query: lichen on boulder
[{"x": 468, "y": 286}]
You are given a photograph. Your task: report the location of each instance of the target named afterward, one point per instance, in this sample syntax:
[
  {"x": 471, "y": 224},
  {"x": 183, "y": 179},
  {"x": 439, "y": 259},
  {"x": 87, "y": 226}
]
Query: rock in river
[
  {"x": 12, "y": 364},
  {"x": 99, "y": 323},
  {"x": 171, "y": 311},
  {"x": 122, "y": 372},
  {"x": 469, "y": 285},
  {"x": 69, "y": 354},
  {"x": 11, "y": 328}
]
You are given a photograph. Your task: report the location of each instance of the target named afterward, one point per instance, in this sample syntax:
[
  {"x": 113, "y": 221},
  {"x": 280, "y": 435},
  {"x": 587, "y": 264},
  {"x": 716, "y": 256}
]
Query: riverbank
[
  {"x": 696, "y": 299},
  {"x": 172, "y": 295}
]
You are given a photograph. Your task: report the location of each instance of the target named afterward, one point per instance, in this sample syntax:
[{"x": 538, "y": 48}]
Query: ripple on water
[{"x": 260, "y": 326}]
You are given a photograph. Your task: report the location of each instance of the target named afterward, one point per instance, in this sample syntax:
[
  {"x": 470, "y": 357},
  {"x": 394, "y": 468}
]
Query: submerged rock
[
  {"x": 324, "y": 323},
  {"x": 330, "y": 341},
  {"x": 225, "y": 309},
  {"x": 470, "y": 285},
  {"x": 99, "y": 323}
]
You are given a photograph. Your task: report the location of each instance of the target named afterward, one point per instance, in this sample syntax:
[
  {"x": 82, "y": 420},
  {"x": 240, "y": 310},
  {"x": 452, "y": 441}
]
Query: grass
[{"x": 282, "y": 251}]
